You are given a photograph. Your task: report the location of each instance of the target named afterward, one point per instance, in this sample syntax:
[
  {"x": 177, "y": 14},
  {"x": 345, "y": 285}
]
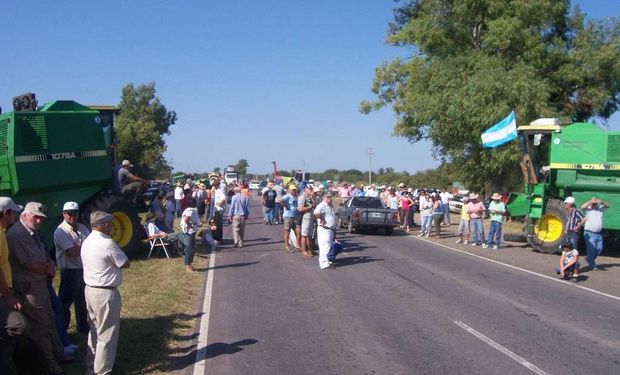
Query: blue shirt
[
  {"x": 239, "y": 206},
  {"x": 290, "y": 205}
]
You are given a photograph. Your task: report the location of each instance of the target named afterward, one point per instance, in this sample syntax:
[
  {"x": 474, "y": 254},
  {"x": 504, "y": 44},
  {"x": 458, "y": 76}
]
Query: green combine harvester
[
  {"x": 62, "y": 152},
  {"x": 579, "y": 160}
]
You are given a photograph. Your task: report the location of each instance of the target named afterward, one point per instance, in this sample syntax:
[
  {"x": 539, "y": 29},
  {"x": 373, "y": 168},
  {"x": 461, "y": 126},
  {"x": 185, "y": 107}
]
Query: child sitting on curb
[{"x": 569, "y": 262}]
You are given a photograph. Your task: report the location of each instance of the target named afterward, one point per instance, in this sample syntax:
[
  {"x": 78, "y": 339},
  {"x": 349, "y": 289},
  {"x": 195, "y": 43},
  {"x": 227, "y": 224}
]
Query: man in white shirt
[
  {"x": 178, "y": 195},
  {"x": 326, "y": 229},
  {"x": 190, "y": 222},
  {"x": 219, "y": 199},
  {"x": 372, "y": 191},
  {"x": 102, "y": 260},
  {"x": 68, "y": 238},
  {"x": 446, "y": 197},
  {"x": 593, "y": 229}
]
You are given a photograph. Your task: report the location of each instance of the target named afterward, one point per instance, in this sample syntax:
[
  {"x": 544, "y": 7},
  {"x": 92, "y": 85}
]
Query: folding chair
[{"x": 156, "y": 242}]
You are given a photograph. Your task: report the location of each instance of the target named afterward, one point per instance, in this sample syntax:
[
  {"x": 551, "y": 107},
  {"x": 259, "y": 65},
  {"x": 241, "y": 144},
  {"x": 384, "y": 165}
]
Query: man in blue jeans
[{"x": 593, "y": 228}]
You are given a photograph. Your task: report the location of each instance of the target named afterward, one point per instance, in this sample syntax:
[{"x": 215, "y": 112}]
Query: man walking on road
[
  {"x": 238, "y": 213},
  {"x": 102, "y": 260},
  {"x": 269, "y": 203},
  {"x": 326, "y": 230},
  {"x": 594, "y": 209},
  {"x": 68, "y": 238}
]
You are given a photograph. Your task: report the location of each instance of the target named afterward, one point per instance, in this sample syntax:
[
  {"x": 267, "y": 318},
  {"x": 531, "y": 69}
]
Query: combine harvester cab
[
  {"x": 579, "y": 160},
  {"x": 59, "y": 153}
]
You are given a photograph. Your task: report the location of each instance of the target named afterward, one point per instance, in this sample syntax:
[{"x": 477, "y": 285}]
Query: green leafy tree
[
  {"x": 473, "y": 61},
  {"x": 242, "y": 167},
  {"x": 140, "y": 127}
]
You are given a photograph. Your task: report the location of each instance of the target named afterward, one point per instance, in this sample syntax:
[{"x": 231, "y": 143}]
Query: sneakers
[
  {"x": 458, "y": 241},
  {"x": 495, "y": 247},
  {"x": 473, "y": 244},
  {"x": 427, "y": 235},
  {"x": 421, "y": 234},
  {"x": 465, "y": 242},
  {"x": 484, "y": 246}
]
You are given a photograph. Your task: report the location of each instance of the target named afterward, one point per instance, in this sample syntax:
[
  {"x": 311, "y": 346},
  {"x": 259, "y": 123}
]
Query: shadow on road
[
  {"x": 232, "y": 265},
  {"x": 350, "y": 261}
]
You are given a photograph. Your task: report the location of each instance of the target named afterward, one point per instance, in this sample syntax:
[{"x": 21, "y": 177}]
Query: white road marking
[
  {"x": 524, "y": 270},
  {"x": 203, "y": 335},
  {"x": 502, "y": 349}
]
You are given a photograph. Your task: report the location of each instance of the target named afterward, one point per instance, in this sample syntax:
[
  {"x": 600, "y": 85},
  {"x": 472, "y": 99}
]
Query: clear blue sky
[{"x": 260, "y": 80}]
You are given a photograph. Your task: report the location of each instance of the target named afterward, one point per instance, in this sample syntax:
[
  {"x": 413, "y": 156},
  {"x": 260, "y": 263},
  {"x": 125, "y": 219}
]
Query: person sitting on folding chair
[
  {"x": 152, "y": 229},
  {"x": 154, "y": 234}
]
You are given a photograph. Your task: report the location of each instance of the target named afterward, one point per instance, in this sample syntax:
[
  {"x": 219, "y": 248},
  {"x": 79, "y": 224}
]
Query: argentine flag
[{"x": 500, "y": 133}]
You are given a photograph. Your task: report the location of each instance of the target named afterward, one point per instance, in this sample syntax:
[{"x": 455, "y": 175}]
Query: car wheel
[{"x": 388, "y": 231}]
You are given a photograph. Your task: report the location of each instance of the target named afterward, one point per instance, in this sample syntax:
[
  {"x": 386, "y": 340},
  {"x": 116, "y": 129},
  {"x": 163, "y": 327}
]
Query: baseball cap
[
  {"x": 569, "y": 200},
  {"x": 35, "y": 208},
  {"x": 71, "y": 206},
  {"x": 328, "y": 194},
  {"x": 7, "y": 203},
  {"x": 126, "y": 162},
  {"x": 100, "y": 217}
]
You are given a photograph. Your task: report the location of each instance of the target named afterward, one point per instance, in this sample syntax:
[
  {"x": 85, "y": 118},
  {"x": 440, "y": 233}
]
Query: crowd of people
[{"x": 91, "y": 263}]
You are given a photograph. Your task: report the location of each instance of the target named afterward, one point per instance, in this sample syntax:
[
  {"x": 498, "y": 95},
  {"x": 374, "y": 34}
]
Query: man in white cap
[
  {"x": 103, "y": 262},
  {"x": 32, "y": 268},
  {"x": 68, "y": 238},
  {"x": 131, "y": 185},
  {"x": 574, "y": 223},
  {"x": 13, "y": 324}
]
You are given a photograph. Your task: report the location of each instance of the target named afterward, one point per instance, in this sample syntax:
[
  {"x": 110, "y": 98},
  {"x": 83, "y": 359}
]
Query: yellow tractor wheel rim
[
  {"x": 122, "y": 230},
  {"x": 549, "y": 228}
]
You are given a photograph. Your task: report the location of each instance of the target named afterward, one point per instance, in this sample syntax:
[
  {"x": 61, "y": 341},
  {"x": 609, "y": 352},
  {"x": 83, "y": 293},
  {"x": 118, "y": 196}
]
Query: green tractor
[
  {"x": 579, "y": 160},
  {"x": 62, "y": 152}
]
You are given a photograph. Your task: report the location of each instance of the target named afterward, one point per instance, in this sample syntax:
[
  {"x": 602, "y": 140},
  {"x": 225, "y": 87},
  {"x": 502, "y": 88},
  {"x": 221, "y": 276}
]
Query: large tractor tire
[
  {"x": 548, "y": 231},
  {"x": 127, "y": 231}
]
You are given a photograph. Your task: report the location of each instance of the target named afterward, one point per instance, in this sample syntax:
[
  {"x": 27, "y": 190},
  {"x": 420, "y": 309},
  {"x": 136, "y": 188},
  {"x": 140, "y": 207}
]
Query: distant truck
[
  {"x": 579, "y": 160},
  {"x": 230, "y": 175}
]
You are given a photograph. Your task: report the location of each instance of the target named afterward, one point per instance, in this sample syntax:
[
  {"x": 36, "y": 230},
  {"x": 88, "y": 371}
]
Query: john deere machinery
[
  {"x": 62, "y": 152},
  {"x": 579, "y": 160}
]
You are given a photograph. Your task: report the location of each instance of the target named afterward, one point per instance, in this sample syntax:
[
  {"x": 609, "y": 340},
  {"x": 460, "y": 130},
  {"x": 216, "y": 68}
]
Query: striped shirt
[{"x": 574, "y": 218}]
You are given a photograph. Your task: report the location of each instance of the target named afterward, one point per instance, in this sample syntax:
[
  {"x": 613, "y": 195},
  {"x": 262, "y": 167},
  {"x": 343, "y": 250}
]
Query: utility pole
[{"x": 370, "y": 166}]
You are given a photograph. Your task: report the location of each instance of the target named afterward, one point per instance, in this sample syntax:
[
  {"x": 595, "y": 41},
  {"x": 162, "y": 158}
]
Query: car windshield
[{"x": 367, "y": 202}]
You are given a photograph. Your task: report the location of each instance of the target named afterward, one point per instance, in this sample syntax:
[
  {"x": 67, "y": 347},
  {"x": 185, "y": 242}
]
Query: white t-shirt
[
  {"x": 65, "y": 238},
  {"x": 152, "y": 229},
  {"x": 327, "y": 213},
  {"x": 372, "y": 193},
  {"x": 594, "y": 219},
  {"x": 193, "y": 223},
  {"x": 219, "y": 195},
  {"x": 426, "y": 206},
  {"x": 102, "y": 260},
  {"x": 178, "y": 193},
  {"x": 445, "y": 197}
]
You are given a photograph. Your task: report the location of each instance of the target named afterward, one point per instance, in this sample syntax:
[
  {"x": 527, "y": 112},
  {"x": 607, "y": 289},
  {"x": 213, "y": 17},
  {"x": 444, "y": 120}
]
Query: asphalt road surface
[{"x": 396, "y": 305}]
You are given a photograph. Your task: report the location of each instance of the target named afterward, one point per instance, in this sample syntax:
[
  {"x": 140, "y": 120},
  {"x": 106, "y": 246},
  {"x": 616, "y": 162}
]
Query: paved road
[{"x": 398, "y": 305}]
